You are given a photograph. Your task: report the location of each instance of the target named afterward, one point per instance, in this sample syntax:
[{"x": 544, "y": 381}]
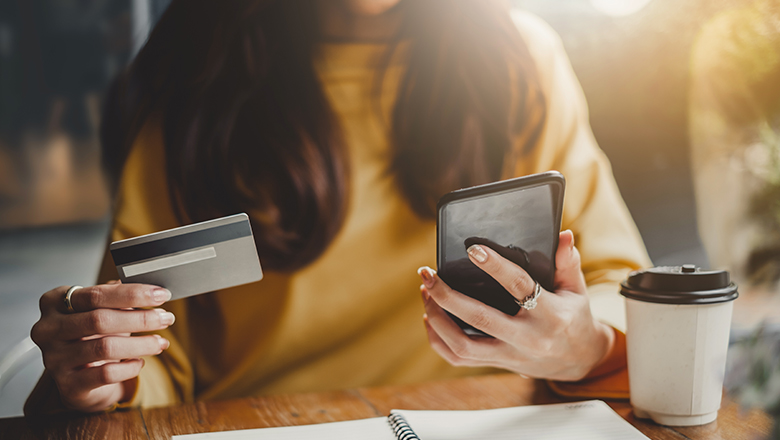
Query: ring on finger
[
  {"x": 529, "y": 302},
  {"x": 68, "y": 294}
]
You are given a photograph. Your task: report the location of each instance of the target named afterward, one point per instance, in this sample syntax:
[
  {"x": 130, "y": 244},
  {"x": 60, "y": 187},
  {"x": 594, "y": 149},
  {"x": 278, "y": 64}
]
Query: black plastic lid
[{"x": 686, "y": 284}]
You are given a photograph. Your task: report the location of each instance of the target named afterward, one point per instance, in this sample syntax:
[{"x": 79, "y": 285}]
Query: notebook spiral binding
[{"x": 401, "y": 429}]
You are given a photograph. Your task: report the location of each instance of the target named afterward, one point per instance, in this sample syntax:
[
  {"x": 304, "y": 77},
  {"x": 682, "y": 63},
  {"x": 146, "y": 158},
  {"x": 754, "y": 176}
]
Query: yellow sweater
[{"x": 353, "y": 317}]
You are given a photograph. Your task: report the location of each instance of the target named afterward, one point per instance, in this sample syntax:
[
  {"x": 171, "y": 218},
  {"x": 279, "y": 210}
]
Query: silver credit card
[{"x": 198, "y": 258}]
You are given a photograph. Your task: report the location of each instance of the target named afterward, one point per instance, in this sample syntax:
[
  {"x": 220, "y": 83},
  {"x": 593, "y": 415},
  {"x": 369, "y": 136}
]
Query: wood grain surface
[{"x": 481, "y": 392}]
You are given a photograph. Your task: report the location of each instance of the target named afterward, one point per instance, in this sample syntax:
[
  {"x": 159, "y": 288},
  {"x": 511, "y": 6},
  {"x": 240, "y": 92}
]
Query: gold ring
[
  {"x": 67, "y": 298},
  {"x": 529, "y": 302}
]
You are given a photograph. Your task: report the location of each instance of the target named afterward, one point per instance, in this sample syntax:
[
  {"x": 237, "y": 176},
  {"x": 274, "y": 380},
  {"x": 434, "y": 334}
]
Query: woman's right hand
[{"x": 90, "y": 352}]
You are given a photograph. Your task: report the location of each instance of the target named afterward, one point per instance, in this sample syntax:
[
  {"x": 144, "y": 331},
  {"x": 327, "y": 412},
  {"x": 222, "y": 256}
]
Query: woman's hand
[
  {"x": 89, "y": 352},
  {"x": 558, "y": 340}
]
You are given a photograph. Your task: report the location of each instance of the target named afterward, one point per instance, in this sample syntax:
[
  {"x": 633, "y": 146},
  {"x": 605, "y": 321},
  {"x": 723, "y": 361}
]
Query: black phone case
[{"x": 495, "y": 295}]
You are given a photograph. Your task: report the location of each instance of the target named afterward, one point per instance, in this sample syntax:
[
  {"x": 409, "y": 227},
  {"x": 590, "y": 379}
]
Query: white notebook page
[
  {"x": 591, "y": 420},
  {"x": 374, "y": 428}
]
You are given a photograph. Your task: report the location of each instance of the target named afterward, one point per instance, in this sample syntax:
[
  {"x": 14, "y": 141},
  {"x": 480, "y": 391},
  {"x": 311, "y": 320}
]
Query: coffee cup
[{"x": 678, "y": 322}]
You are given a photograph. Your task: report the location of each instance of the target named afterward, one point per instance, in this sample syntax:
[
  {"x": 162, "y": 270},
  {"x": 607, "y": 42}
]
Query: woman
[{"x": 337, "y": 125}]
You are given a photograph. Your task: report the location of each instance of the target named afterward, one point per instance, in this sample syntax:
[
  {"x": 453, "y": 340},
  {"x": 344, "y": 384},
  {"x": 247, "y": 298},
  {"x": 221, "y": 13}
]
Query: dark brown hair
[{"x": 247, "y": 127}]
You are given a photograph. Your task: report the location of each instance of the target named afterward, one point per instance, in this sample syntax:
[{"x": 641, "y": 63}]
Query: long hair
[{"x": 247, "y": 127}]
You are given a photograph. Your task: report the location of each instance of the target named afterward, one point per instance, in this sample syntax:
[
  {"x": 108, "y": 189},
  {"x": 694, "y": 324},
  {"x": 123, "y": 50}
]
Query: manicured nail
[
  {"x": 164, "y": 343},
  {"x": 428, "y": 276},
  {"x": 162, "y": 295},
  {"x": 166, "y": 318},
  {"x": 571, "y": 243},
  {"x": 425, "y": 295},
  {"x": 477, "y": 253}
]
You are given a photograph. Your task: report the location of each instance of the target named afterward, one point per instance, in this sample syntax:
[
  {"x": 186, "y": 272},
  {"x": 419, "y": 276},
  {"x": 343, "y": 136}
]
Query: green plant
[{"x": 753, "y": 374}]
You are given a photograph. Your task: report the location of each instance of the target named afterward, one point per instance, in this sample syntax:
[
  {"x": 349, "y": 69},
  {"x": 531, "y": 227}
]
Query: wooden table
[{"x": 300, "y": 409}]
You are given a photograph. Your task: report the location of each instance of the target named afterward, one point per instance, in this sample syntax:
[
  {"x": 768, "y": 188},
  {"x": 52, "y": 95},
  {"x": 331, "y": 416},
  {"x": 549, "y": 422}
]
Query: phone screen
[{"x": 521, "y": 223}]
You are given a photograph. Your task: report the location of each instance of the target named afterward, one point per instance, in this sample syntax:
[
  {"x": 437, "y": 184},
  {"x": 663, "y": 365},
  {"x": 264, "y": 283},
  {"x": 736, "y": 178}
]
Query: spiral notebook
[{"x": 589, "y": 420}]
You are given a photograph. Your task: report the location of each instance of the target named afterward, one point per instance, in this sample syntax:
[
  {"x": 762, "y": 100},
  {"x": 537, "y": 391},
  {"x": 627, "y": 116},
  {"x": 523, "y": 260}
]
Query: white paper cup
[{"x": 677, "y": 337}]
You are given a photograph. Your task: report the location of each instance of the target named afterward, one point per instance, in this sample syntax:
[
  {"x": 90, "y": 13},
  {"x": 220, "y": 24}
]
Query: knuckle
[
  {"x": 37, "y": 333},
  {"x": 494, "y": 265},
  {"x": 542, "y": 346},
  {"x": 43, "y": 302},
  {"x": 520, "y": 286},
  {"x": 461, "y": 349},
  {"x": 47, "y": 300},
  {"x": 565, "y": 318},
  {"x": 445, "y": 298},
  {"x": 480, "y": 319},
  {"x": 102, "y": 349},
  {"x": 98, "y": 321},
  {"x": 106, "y": 374},
  {"x": 92, "y": 296}
]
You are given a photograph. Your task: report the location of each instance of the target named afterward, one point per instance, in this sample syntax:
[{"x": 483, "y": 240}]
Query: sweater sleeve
[{"x": 605, "y": 234}]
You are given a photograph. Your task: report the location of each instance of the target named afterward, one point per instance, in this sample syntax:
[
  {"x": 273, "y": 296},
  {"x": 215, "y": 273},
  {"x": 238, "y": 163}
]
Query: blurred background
[{"x": 676, "y": 95}]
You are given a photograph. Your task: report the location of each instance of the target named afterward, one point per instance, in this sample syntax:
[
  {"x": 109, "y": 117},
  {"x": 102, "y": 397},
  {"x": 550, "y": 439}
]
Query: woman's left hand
[{"x": 558, "y": 340}]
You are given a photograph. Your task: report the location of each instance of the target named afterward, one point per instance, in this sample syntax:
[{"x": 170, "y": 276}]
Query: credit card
[{"x": 193, "y": 259}]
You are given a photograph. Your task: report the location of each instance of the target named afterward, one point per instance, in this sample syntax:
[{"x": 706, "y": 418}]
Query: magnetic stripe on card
[{"x": 180, "y": 243}]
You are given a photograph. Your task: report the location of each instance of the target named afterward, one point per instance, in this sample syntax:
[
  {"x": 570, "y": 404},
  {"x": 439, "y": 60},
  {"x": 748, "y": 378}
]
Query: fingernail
[
  {"x": 162, "y": 295},
  {"x": 571, "y": 243},
  {"x": 428, "y": 276},
  {"x": 477, "y": 253},
  {"x": 425, "y": 295},
  {"x": 164, "y": 343},
  {"x": 166, "y": 318}
]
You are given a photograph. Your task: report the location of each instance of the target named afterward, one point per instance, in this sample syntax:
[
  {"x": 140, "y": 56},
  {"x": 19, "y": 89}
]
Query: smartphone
[{"x": 518, "y": 218}]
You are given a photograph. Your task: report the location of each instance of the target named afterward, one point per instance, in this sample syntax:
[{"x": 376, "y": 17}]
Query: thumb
[{"x": 568, "y": 273}]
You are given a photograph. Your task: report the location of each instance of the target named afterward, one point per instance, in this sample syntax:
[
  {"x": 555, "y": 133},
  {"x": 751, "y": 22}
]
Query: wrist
[
  {"x": 602, "y": 341},
  {"x": 606, "y": 346}
]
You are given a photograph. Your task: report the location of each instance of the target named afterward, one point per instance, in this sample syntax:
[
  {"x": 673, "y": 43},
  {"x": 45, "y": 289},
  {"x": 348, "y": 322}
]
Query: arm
[
  {"x": 608, "y": 240},
  {"x": 166, "y": 376},
  {"x": 609, "y": 243},
  {"x": 584, "y": 301}
]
